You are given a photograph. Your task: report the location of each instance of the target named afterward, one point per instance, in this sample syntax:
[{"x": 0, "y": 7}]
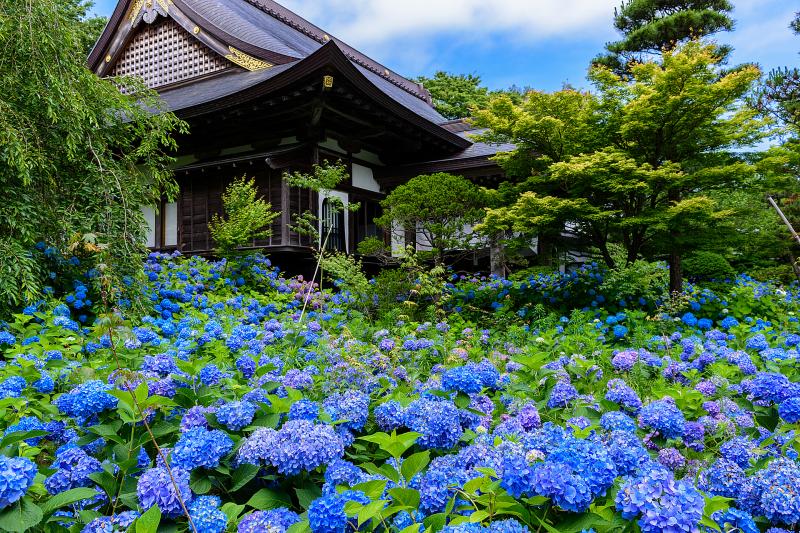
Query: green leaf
[
  {"x": 487, "y": 472},
  {"x": 148, "y": 522},
  {"x": 712, "y": 525},
  {"x": 266, "y": 499},
  {"x": 478, "y": 516},
  {"x": 370, "y": 511},
  {"x": 21, "y": 516},
  {"x": 17, "y": 436},
  {"x": 435, "y": 522},
  {"x": 201, "y": 484},
  {"x": 300, "y": 527},
  {"x": 415, "y": 464},
  {"x": 243, "y": 475},
  {"x": 307, "y": 495},
  {"x": 68, "y": 497},
  {"x": 717, "y": 503},
  {"x": 462, "y": 400},
  {"x": 473, "y": 485},
  {"x": 373, "y": 489},
  {"x": 106, "y": 481},
  {"x": 232, "y": 511},
  {"x": 130, "y": 499},
  {"x": 405, "y": 497}
]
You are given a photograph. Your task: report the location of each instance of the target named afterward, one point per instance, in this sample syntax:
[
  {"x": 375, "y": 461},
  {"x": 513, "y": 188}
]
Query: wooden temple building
[{"x": 265, "y": 92}]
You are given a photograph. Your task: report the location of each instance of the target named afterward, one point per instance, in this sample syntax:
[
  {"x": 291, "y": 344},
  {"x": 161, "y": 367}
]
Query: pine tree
[
  {"x": 455, "y": 95},
  {"x": 652, "y": 26}
]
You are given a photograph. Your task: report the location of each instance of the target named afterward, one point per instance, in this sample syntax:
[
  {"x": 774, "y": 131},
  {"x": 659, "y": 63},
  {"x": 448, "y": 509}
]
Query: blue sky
[{"x": 537, "y": 43}]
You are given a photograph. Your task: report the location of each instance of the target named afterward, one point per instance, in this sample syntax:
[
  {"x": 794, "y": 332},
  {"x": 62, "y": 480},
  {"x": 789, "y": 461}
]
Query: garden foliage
[
  {"x": 223, "y": 410},
  {"x": 79, "y": 157},
  {"x": 248, "y": 217}
]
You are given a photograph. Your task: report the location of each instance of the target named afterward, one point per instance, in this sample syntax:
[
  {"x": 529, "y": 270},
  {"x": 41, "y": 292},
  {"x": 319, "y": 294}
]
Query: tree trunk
[
  {"x": 610, "y": 263},
  {"x": 544, "y": 250},
  {"x": 675, "y": 271},
  {"x": 496, "y": 257},
  {"x": 795, "y": 265}
]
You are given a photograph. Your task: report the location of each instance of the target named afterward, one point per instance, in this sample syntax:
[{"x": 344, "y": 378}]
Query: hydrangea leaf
[
  {"x": 148, "y": 522},
  {"x": 21, "y": 516},
  {"x": 67, "y": 498},
  {"x": 415, "y": 464},
  {"x": 266, "y": 499}
]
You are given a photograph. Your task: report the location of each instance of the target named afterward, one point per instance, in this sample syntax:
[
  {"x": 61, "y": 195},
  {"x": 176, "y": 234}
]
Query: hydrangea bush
[{"x": 228, "y": 407}]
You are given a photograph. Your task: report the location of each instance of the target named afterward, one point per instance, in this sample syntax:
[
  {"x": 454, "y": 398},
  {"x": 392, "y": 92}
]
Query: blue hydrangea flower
[
  {"x": 437, "y": 421},
  {"x": 326, "y": 514},
  {"x": 789, "y": 410},
  {"x": 12, "y": 387},
  {"x": 773, "y": 492},
  {"x": 622, "y": 394},
  {"x": 623, "y": 361},
  {"x": 304, "y": 410},
  {"x": 461, "y": 379},
  {"x": 739, "y": 450},
  {"x": 86, "y": 400},
  {"x": 16, "y": 476},
  {"x": 664, "y": 417},
  {"x": 196, "y": 417},
  {"x": 757, "y": 342},
  {"x": 567, "y": 490},
  {"x": 28, "y": 423},
  {"x": 436, "y": 486},
  {"x": 298, "y": 446},
  {"x": 352, "y": 407},
  {"x": 390, "y": 416},
  {"x": 236, "y": 415},
  {"x": 661, "y": 502},
  {"x": 617, "y": 420},
  {"x": 246, "y": 366},
  {"x": 722, "y": 478},
  {"x": 341, "y": 472},
  {"x": 275, "y": 520},
  {"x": 211, "y": 375},
  {"x": 732, "y": 519},
  {"x": 45, "y": 384},
  {"x": 200, "y": 447},
  {"x": 562, "y": 394},
  {"x": 73, "y": 466},
  {"x": 626, "y": 451},
  {"x": 206, "y": 515},
  {"x": 155, "y": 487}
]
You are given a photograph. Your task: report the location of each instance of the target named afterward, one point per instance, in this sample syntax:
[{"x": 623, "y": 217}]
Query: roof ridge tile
[{"x": 295, "y": 21}]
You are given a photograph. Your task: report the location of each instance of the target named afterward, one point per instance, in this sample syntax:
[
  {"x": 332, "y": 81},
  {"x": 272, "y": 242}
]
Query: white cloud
[
  {"x": 416, "y": 36},
  {"x": 383, "y": 22}
]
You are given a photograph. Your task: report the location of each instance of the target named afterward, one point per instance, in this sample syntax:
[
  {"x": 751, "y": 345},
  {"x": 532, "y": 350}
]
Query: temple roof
[
  {"x": 262, "y": 29},
  {"x": 205, "y": 56}
]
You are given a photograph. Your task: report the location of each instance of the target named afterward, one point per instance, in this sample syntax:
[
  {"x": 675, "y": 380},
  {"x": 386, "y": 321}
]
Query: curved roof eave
[
  {"x": 118, "y": 25},
  {"x": 328, "y": 55}
]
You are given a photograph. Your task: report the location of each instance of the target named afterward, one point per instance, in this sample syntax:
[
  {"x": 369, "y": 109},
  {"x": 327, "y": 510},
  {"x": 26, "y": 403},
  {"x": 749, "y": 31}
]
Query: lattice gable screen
[{"x": 165, "y": 53}]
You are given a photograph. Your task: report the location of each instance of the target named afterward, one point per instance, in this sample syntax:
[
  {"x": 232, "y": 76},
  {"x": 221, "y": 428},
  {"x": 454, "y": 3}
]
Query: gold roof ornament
[
  {"x": 246, "y": 61},
  {"x": 136, "y": 8}
]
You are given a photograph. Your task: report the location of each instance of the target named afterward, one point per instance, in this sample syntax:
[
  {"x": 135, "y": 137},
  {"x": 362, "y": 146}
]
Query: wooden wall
[{"x": 201, "y": 198}]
